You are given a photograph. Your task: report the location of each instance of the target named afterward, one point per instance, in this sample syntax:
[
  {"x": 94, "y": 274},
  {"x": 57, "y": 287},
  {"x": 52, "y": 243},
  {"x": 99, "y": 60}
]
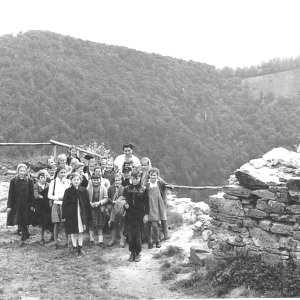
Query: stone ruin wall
[{"x": 259, "y": 212}]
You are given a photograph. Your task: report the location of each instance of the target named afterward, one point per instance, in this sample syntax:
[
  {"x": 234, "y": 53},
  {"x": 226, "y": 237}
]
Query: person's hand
[
  {"x": 63, "y": 220},
  {"x": 41, "y": 197},
  {"x": 109, "y": 223},
  {"x": 84, "y": 227},
  {"x": 126, "y": 205},
  {"x": 32, "y": 209},
  {"x": 8, "y": 210},
  {"x": 145, "y": 219}
]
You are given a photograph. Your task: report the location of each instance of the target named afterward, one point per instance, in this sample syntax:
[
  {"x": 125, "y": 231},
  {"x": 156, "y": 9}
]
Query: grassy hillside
[
  {"x": 195, "y": 123},
  {"x": 286, "y": 84}
]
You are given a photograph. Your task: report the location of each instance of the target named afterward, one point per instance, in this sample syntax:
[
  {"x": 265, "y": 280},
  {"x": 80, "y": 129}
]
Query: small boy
[
  {"x": 137, "y": 211},
  {"x": 115, "y": 198},
  {"x": 98, "y": 198}
]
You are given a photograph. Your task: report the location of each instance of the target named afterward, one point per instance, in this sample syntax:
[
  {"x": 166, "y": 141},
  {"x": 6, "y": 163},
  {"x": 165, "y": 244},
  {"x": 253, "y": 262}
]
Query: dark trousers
[{"x": 134, "y": 231}]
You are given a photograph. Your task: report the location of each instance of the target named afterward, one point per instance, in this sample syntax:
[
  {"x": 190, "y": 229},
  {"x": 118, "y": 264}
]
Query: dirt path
[{"x": 143, "y": 279}]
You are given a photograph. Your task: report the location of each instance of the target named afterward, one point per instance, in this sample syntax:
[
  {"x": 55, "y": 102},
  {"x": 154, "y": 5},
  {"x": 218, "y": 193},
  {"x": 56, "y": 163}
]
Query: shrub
[
  {"x": 169, "y": 252},
  {"x": 175, "y": 219},
  {"x": 253, "y": 273}
]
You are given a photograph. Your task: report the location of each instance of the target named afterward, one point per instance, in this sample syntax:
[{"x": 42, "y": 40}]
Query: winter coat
[
  {"x": 20, "y": 199},
  {"x": 137, "y": 198},
  {"x": 69, "y": 208}
]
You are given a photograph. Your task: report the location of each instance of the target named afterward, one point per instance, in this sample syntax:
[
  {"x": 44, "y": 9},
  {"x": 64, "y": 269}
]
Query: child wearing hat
[
  {"x": 98, "y": 198},
  {"x": 20, "y": 200},
  {"x": 137, "y": 210}
]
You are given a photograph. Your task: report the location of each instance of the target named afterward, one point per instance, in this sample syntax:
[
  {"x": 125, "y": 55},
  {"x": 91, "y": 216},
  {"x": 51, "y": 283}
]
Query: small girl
[
  {"x": 76, "y": 211},
  {"x": 51, "y": 167},
  {"x": 104, "y": 182},
  {"x": 156, "y": 189},
  {"x": 79, "y": 169},
  {"x": 42, "y": 207},
  {"x": 73, "y": 153},
  {"x": 56, "y": 192},
  {"x": 20, "y": 199},
  {"x": 109, "y": 172},
  {"x": 62, "y": 161},
  {"x": 116, "y": 199},
  {"x": 145, "y": 166},
  {"x": 98, "y": 198}
]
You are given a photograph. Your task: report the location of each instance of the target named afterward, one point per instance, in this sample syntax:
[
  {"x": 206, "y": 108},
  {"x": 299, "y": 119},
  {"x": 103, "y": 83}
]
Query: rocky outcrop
[{"x": 260, "y": 211}]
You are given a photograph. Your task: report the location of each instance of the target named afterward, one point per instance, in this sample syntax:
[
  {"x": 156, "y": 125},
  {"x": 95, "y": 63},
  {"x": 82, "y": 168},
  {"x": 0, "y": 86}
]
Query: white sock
[
  {"x": 80, "y": 239},
  {"x": 100, "y": 238}
]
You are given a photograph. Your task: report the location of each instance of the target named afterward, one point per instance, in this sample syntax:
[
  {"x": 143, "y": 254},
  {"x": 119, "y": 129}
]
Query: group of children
[{"x": 126, "y": 194}]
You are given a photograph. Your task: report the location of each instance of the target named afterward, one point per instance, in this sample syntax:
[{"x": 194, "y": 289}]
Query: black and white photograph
[{"x": 149, "y": 149}]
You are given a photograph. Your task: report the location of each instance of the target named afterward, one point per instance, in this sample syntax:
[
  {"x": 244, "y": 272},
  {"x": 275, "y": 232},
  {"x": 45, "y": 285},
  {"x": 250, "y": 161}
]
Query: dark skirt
[{"x": 97, "y": 219}]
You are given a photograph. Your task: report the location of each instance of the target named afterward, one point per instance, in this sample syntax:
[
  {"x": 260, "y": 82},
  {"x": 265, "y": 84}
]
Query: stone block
[
  {"x": 230, "y": 197},
  {"x": 216, "y": 223},
  {"x": 282, "y": 229},
  {"x": 249, "y": 181},
  {"x": 251, "y": 223},
  {"x": 236, "y": 241},
  {"x": 296, "y": 235},
  {"x": 198, "y": 255},
  {"x": 264, "y": 194},
  {"x": 238, "y": 191},
  {"x": 276, "y": 207},
  {"x": 261, "y": 204},
  {"x": 284, "y": 218},
  {"x": 294, "y": 184},
  {"x": 225, "y": 206},
  {"x": 256, "y": 213},
  {"x": 262, "y": 238},
  {"x": 271, "y": 259},
  {"x": 293, "y": 209},
  {"x": 265, "y": 225}
]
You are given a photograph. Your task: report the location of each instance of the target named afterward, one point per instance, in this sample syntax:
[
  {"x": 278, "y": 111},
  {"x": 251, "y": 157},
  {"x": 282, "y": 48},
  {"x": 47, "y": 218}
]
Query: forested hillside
[{"x": 196, "y": 123}]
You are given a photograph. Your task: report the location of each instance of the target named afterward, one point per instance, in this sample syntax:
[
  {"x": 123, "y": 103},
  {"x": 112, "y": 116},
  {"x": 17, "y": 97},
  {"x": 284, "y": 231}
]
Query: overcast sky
[{"x": 233, "y": 33}]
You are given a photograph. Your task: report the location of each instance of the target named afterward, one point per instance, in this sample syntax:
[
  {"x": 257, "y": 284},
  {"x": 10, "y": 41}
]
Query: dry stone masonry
[{"x": 259, "y": 212}]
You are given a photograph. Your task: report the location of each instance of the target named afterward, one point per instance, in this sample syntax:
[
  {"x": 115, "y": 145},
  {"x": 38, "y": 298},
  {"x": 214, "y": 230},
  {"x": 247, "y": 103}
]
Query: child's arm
[
  {"x": 10, "y": 194},
  {"x": 146, "y": 203},
  {"x": 36, "y": 192},
  {"x": 50, "y": 191}
]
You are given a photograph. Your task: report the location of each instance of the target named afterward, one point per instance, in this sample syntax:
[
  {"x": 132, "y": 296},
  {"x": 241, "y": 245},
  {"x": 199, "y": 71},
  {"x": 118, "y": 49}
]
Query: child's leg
[
  {"x": 100, "y": 235},
  {"x": 113, "y": 233},
  {"x": 165, "y": 229},
  {"x": 74, "y": 237},
  {"x": 42, "y": 233},
  {"x": 92, "y": 239},
  {"x": 67, "y": 237},
  {"x": 55, "y": 233},
  {"x": 155, "y": 231},
  {"x": 80, "y": 239},
  {"x": 149, "y": 234},
  {"x": 121, "y": 228}
]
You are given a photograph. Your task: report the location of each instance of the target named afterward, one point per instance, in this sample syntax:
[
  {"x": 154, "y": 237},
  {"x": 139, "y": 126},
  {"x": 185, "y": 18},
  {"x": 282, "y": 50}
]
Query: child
[
  {"x": 104, "y": 182},
  {"x": 79, "y": 169},
  {"x": 62, "y": 161},
  {"x": 137, "y": 210},
  {"x": 145, "y": 166},
  {"x": 51, "y": 167},
  {"x": 20, "y": 199},
  {"x": 76, "y": 211},
  {"x": 98, "y": 198},
  {"x": 116, "y": 199},
  {"x": 126, "y": 178},
  {"x": 109, "y": 172},
  {"x": 72, "y": 154},
  {"x": 41, "y": 205},
  {"x": 56, "y": 192},
  {"x": 157, "y": 207}
]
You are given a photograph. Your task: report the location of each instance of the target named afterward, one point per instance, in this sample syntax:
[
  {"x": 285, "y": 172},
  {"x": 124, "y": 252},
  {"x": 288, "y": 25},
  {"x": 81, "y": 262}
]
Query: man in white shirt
[{"x": 126, "y": 157}]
